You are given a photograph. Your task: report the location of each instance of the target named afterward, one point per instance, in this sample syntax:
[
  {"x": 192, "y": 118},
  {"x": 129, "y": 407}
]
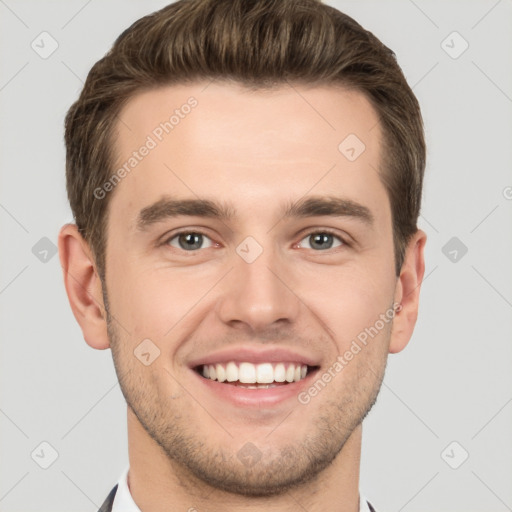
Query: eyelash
[{"x": 325, "y": 231}]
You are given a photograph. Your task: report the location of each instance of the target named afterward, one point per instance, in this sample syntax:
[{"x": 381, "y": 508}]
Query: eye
[
  {"x": 189, "y": 241},
  {"x": 322, "y": 240}
]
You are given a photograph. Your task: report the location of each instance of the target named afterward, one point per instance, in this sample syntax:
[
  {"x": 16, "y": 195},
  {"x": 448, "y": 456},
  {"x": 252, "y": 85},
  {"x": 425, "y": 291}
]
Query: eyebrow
[{"x": 311, "y": 206}]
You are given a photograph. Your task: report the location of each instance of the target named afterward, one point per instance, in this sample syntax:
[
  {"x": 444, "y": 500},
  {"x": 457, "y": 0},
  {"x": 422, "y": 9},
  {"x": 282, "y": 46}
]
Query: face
[{"x": 247, "y": 246}]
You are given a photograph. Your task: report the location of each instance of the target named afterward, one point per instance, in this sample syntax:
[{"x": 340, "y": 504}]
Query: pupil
[
  {"x": 191, "y": 241},
  {"x": 321, "y": 240}
]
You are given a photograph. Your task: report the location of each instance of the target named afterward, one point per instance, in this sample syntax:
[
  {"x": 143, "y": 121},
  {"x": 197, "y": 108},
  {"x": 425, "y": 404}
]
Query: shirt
[{"x": 123, "y": 501}]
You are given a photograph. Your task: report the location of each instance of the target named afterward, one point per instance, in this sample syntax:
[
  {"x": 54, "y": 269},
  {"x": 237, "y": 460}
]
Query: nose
[{"x": 258, "y": 294}]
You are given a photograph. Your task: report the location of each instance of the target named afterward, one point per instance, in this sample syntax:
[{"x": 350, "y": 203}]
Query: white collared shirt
[{"x": 123, "y": 501}]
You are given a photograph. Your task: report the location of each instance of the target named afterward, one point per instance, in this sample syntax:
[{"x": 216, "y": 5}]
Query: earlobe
[
  {"x": 83, "y": 286},
  {"x": 407, "y": 293}
]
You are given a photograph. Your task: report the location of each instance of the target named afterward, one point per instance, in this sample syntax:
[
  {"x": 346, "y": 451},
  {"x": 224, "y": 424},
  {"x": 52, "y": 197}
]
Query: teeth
[
  {"x": 264, "y": 373},
  {"x": 231, "y": 372},
  {"x": 257, "y": 386},
  {"x": 221, "y": 373},
  {"x": 248, "y": 373},
  {"x": 280, "y": 372}
]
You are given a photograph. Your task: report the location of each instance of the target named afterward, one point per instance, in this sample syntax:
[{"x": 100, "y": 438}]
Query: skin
[{"x": 259, "y": 151}]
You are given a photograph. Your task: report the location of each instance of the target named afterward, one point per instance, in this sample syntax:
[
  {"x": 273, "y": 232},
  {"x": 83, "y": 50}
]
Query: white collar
[{"x": 123, "y": 501}]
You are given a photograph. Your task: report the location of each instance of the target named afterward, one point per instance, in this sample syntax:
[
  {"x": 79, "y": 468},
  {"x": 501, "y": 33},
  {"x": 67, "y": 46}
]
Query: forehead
[{"x": 250, "y": 148}]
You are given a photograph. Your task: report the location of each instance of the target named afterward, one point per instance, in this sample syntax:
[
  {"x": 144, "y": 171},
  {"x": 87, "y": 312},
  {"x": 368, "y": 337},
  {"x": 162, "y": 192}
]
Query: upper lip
[{"x": 255, "y": 356}]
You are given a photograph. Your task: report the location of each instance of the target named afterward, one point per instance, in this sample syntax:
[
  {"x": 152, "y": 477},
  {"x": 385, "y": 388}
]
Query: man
[{"x": 245, "y": 178}]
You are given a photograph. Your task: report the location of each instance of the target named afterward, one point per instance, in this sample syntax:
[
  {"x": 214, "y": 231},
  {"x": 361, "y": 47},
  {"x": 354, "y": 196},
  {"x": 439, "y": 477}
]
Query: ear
[
  {"x": 83, "y": 286},
  {"x": 407, "y": 292}
]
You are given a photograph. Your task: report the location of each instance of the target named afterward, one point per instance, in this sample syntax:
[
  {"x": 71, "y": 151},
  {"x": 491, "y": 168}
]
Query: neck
[{"x": 157, "y": 483}]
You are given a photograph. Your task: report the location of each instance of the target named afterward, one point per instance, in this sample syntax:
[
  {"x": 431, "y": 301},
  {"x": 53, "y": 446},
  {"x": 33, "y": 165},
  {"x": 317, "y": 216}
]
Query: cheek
[
  {"x": 351, "y": 299},
  {"x": 152, "y": 302}
]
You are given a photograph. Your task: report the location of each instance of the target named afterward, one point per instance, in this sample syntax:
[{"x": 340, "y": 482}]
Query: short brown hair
[{"x": 259, "y": 44}]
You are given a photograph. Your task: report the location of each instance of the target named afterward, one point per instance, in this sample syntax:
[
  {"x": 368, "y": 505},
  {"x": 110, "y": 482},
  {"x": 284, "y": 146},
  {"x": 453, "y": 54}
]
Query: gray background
[{"x": 453, "y": 381}]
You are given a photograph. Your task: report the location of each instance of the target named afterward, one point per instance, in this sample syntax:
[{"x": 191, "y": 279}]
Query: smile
[
  {"x": 254, "y": 376},
  {"x": 260, "y": 386}
]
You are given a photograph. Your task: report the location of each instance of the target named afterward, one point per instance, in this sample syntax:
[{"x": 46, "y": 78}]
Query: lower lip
[{"x": 263, "y": 397}]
